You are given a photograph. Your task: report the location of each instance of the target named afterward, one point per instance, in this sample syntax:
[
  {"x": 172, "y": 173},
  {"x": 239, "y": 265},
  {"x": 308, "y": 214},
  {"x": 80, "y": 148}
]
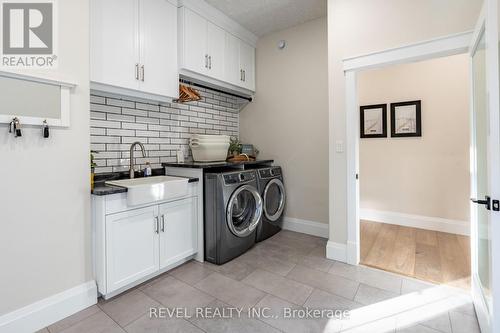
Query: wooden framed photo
[
  {"x": 406, "y": 119},
  {"x": 373, "y": 121}
]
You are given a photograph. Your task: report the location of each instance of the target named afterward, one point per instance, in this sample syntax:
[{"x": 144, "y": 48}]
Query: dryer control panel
[
  {"x": 270, "y": 172},
  {"x": 239, "y": 177}
]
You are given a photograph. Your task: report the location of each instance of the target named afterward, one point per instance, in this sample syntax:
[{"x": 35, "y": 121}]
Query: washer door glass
[
  {"x": 274, "y": 199},
  {"x": 244, "y": 211}
]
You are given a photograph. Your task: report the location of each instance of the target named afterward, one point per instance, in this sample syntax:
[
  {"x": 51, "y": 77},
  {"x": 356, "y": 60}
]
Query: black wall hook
[{"x": 45, "y": 130}]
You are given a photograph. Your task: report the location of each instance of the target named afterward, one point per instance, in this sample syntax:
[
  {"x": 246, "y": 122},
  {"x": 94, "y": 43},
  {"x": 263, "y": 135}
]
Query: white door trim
[
  {"x": 430, "y": 49},
  {"x": 435, "y": 48}
]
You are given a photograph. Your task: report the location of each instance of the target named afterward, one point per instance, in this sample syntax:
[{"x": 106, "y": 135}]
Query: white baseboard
[
  {"x": 336, "y": 251},
  {"x": 417, "y": 221},
  {"x": 43, "y": 313},
  {"x": 306, "y": 227}
]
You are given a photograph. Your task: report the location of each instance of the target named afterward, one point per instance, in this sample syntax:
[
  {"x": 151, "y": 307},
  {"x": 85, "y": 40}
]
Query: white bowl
[
  {"x": 209, "y": 152},
  {"x": 213, "y": 137},
  {"x": 208, "y": 141}
]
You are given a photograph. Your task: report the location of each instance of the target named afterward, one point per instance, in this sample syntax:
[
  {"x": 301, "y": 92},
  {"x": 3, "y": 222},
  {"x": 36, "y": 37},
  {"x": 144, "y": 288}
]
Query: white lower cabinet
[
  {"x": 178, "y": 237},
  {"x": 131, "y": 246},
  {"x": 136, "y": 244}
]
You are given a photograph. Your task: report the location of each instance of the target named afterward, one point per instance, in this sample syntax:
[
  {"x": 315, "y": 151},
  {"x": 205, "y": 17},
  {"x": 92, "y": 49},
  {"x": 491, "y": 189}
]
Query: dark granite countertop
[
  {"x": 100, "y": 187},
  {"x": 209, "y": 165}
]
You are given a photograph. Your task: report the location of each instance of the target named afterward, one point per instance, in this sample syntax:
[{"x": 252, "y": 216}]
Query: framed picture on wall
[
  {"x": 406, "y": 119},
  {"x": 373, "y": 121}
]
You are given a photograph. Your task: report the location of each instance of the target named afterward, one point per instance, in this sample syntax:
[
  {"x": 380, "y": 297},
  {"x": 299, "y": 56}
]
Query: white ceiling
[{"x": 265, "y": 16}]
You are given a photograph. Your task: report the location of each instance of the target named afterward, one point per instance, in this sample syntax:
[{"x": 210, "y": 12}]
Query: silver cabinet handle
[
  {"x": 209, "y": 62},
  {"x": 142, "y": 73},
  {"x": 137, "y": 71},
  {"x": 206, "y": 60},
  {"x": 241, "y": 75},
  {"x": 163, "y": 223},
  {"x": 244, "y": 76},
  {"x": 157, "y": 225}
]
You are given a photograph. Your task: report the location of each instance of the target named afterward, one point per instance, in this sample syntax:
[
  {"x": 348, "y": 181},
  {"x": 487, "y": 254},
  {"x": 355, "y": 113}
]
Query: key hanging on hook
[
  {"x": 15, "y": 126},
  {"x": 46, "y": 133}
]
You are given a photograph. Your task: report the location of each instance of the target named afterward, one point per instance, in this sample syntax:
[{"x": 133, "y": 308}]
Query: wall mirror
[{"x": 34, "y": 99}]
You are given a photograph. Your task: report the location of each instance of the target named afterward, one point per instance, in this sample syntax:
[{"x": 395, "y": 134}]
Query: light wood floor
[{"x": 423, "y": 254}]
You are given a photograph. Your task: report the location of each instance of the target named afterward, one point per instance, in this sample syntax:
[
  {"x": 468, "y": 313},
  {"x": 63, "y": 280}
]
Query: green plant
[
  {"x": 92, "y": 163},
  {"x": 235, "y": 145}
]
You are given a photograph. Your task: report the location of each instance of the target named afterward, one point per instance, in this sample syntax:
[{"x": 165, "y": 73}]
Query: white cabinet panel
[
  {"x": 232, "y": 50},
  {"x": 114, "y": 42},
  {"x": 158, "y": 40},
  {"x": 132, "y": 247},
  {"x": 216, "y": 56},
  {"x": 178, "y": 231},
  {"x": 247, "y": 63},
  {"x": 134, "y": 47},
  {"x": 195, "y": 55}
]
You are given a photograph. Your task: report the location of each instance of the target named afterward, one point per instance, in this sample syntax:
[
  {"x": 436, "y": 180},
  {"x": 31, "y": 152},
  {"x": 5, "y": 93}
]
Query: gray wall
[{"x": 45, "y": 197}]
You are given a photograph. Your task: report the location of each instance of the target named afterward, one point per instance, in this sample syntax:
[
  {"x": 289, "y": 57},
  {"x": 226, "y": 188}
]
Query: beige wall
[
  {"x": 45, "y": 197},
  {"x": 288, "y": 120},
  {"x": 426, "y": 176},
  {"x": 363, "y": 26}
]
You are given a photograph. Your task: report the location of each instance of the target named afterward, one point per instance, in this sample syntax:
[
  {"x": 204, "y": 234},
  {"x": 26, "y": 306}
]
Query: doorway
[
  {"x": 486, "y": 199},
  {"x": 414, "y": 169}
]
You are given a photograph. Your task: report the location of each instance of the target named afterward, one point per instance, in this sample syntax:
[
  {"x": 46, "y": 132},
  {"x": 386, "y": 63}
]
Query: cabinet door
[
  {"x": 131, "y": 246},
  {"x": 158, "y": 40},
  {"x": 195, "y": 53},
  {"x": 247, "y": 62},
  {"x": 178, "y": 231},
  {"x": 216, "y": 46},
  {"x": 232, "y": 50},
  {"x": 114, "y": 42}
]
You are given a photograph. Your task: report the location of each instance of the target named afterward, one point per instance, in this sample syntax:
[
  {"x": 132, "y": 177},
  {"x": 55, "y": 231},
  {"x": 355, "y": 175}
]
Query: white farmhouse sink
[{"x": 150, "y": 189}]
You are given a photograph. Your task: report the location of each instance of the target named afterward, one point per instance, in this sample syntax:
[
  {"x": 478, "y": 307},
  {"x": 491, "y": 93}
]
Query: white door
[
  {"x": 232, "y": 69},
  {"x": 485, "y": 170},
  {"x": 114, "y": 42},
  {"x": 131, "y": 246},
  {"x": 216, "y": 54},
  {"x": 247, "y": 63},
  {"x": 178, "y": 231},
  {"x": 195, "y": 53},
  {"x": 158, "y": 39}
]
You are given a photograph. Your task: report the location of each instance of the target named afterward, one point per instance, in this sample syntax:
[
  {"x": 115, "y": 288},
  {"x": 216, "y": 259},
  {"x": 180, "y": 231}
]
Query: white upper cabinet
[
  {"x": 158, "y": 40},
  {"x": 202, "y": 45},
  {"x": 233, "y": 69},
  {"x": 247, "y": 65},
  {"x": 193, "y": 51},
  {"x": 215, "y": 49},
  {"x": 216, "y": 43},
  {"x": 134, "y": 47},
  {"x": 114, "y": 42}
]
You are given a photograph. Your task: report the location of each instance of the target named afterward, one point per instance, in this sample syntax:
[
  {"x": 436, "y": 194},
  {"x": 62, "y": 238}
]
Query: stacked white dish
[{"x": 209, "y": 148}]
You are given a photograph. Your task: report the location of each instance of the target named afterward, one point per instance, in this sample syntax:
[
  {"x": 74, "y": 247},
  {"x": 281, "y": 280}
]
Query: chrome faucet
[{"x": 132, "y": 162}]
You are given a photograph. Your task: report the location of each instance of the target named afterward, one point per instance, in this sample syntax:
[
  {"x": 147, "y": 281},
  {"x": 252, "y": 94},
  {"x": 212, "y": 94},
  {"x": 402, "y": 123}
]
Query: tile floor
[{"x": 285, "y": 274}]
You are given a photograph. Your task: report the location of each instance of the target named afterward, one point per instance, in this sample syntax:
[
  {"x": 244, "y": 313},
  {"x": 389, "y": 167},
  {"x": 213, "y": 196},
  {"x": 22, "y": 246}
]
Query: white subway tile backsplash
[
  {"x": 119, "y": 132},
  {"x": 120, "y": 117},
  {"x": 136, "y": 126},
  {"x": 163, "y": 129},
  {"x": 148, "y": 107},
  {"x": 120, "y": 102},
  {"x": 104, "y": 123},
  {"x": 104, "y": 108}
]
